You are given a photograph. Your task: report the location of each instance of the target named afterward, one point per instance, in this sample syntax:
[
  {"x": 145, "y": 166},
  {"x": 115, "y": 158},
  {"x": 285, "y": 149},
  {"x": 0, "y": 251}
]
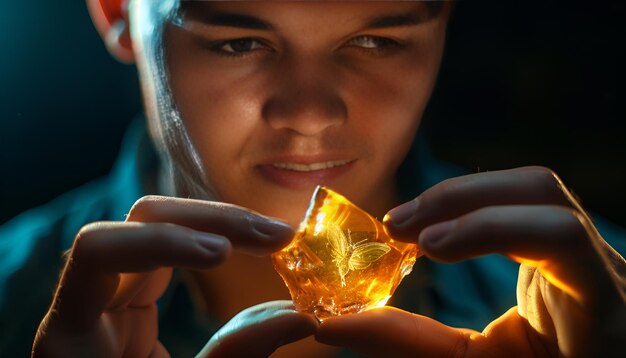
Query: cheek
[
  {"x": 217, "y": 118},
  {"x": 219, "y": 112},
  {"x": 387, "y": 105},
  {"x": 220, "y": 127}
]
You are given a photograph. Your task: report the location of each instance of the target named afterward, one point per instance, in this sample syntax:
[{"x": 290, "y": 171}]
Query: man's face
[{"x": 278, "y": 97}]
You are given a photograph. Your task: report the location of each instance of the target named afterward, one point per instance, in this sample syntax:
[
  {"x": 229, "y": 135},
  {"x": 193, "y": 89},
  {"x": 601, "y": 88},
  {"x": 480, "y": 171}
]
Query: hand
[
  {"x": 105, "y": 303},
  {"x": 259, "y": 330},
  {"x": 571, "y": 288}
]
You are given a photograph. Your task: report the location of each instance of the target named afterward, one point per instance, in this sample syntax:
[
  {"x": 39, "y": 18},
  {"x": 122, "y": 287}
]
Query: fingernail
[
  {"x": 437, "y": 232},
  {"x": 401, "y": 214},
  {"x": 272, "y": 228},
  {"x": 211, "y": 242}
]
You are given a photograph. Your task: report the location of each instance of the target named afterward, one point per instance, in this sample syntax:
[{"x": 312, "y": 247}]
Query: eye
[
  {"x": 372, "y": 42},
  {"x": 237, "y": 47}
]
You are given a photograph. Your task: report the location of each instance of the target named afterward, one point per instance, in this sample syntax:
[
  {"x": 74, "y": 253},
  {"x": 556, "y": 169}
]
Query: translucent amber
[{"x": 341, "y": 261}]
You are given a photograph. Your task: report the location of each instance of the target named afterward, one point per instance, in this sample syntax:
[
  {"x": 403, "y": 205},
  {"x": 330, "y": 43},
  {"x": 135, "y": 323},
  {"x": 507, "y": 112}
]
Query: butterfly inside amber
[{"x": 340, "y": 260}]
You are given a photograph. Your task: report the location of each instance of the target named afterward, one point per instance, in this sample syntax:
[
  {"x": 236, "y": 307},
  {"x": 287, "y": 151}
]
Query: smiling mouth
[
  {"x": 297, "y": 167},
  {"x": 292, "y": 173}
]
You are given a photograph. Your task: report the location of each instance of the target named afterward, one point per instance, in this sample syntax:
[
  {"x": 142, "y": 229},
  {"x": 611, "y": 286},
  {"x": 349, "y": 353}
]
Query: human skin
[
  {"x": 349, "y": 97},
  {"x": 248, "y": 114},
  {"x": 307, "y": 91},
  {"x": 571, "y": 289}
]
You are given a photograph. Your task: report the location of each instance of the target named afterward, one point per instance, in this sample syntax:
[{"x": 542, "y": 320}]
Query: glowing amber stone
[{"x": 340, "y": 260}]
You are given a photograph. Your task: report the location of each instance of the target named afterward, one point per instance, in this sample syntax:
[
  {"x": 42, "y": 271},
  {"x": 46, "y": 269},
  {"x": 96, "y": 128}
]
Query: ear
[{"x": 110, "y": 18}]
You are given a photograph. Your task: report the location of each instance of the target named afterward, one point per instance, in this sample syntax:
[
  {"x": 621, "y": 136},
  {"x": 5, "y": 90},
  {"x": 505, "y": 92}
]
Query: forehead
[{"x": 317, "y": 11}]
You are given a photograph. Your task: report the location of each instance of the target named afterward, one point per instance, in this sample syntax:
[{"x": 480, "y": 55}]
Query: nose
[{"x": 305, "y": 99}]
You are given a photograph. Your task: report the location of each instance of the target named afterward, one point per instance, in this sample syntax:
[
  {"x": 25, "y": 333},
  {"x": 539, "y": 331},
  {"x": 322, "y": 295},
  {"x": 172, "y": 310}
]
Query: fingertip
[
  {"x": 407, "y": 235},
  {"x": 224, "y": 252},
  {"x": 310, "y": 319},
  {"x": 400, "y": 222},
  {"x": 403, "y": 215},
  {"x": 266, "y": 248},
  {"x": 325, "y": 333},
  {"x": 271, "y": 235},
  {"x": 390, "y": 230},
  {"x": 434, "y": 238},
  {"x": 333, "y": 330},
  {"x": 217, "y": 247},
  {"x": 272, "y": 229},
  {"x": 305, "y": 325},
  {"x": 212, "y": 242}
]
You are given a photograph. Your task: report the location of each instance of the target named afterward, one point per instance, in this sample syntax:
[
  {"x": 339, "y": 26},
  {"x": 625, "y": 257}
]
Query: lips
[
  {"x": 301, "y": 173},
  {"x": 310, "y": 167}
]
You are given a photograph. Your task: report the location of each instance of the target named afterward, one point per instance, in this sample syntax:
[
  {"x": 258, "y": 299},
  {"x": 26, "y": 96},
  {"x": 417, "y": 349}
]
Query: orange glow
[
  {"x": 541, "y": 265},
  {"x": 341, "y": 261}
]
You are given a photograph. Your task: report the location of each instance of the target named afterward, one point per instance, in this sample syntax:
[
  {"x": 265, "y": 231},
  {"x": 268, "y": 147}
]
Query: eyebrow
[
  {"x": 228, "y": 19},
  {"x": 412, "y": 18},
  {"x": 236, "y": 20}
]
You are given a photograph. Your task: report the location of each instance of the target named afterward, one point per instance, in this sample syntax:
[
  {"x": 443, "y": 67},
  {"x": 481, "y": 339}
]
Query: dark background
[{"x": 527, "y": 83}]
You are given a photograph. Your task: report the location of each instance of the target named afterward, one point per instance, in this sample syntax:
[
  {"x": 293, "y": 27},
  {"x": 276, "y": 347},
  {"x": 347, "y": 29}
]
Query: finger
[
  {"x": 390, "y": 332},
  {"x": 248, "y": 231},
  {"x": 103, "y": 250},
  {"x": 259, "y": 330},
  {"x": 559, "y": 241},
  {"x": 457, "y": 196}
]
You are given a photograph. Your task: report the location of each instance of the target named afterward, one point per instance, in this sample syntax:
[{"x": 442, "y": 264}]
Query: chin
[
  {"x": 293, "y": 213},
  {"x": 289, "y": 207}
]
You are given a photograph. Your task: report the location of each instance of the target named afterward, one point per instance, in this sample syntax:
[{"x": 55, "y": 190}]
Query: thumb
[
  {"x": 390, "y": 332},
  {"x": 259, "y": 330}
]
